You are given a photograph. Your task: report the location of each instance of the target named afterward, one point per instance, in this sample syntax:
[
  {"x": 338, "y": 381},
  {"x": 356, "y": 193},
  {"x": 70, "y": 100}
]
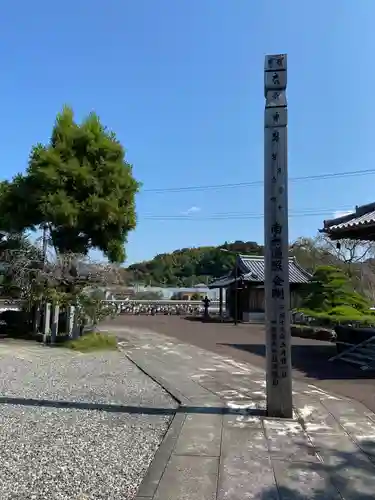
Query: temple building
[
  {"x": 246, "y": 281},
  {"x": 358, "y": 225}
]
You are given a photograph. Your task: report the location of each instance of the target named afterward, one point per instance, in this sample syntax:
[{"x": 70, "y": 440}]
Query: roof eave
[{"x": 364, "y": 232}]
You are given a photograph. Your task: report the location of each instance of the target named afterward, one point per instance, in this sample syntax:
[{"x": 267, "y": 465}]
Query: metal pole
[
  {"x": 221, "y": 303},
  {"x": 277, "y": 298},
  {"x": 236, "y": 293}
]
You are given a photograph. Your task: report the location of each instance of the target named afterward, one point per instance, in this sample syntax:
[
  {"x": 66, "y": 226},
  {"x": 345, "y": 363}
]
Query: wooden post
[
  {"x": 277, "y": 300},
  {"x": 36, "y": 317},
  {"x": 76, "y": 326},
  {"x": 46, "y": 321},
  {"x": 69, "y": 320},
  {"x": 221, "y": 303},
  {"x": 55, "y": 323},
  {"x": 236, "y": 292}
]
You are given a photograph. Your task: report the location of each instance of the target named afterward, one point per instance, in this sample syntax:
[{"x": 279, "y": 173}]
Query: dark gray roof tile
[
  {"x": 251, "y": 269},
  {"x": 363, "y": 215}
]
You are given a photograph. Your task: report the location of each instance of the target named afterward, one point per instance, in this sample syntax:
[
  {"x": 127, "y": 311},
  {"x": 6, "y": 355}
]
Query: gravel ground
[{"x": 69, "y": 453}]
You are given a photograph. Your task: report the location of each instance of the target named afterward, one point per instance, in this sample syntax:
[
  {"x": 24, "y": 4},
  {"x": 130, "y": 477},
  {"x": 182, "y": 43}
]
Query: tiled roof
[
  {"x": 222, "y": 282},
  {"x": 251, "y": 269},
  {"x": 363, "y": 216}
]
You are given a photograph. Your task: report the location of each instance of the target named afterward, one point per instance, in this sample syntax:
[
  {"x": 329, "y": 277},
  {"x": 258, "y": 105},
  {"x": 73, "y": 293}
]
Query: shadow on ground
[
  {"x": 220, "y": 321},
  {"x": 116, "y": 408},
  {"x": 209, "y": 319},
  {"x": 313, "y": 361},
  {"x": 351, "y": 474}
]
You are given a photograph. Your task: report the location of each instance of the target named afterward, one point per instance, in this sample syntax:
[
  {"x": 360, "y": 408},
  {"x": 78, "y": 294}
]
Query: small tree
[
  {"x": 349, "y": 253},
  {"x": 310, "y": 254},
  {"x": 330, "y": 288},
  {"x": 19, "y": 260},
  {"x": 67, "y": 279},
  {"x": 79, "y": 187}
]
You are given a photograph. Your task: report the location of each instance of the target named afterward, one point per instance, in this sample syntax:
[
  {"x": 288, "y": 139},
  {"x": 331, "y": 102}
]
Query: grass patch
[{"x": 94, "y": 341}]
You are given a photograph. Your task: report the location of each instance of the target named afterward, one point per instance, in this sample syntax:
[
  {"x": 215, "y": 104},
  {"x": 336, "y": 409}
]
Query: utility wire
[
  {"x": 240, "y": 215},
  {"x": 302, "y": 211},
  {"x": 336, "y": 175}
]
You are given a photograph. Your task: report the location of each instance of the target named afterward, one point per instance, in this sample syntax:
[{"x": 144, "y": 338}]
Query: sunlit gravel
[{"x": 51, "y": 453}]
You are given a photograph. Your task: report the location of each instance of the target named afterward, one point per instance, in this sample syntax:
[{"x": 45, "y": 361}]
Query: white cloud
[
  {"x": 340, "y": 213},
  {"x": 191, "y": 210}
]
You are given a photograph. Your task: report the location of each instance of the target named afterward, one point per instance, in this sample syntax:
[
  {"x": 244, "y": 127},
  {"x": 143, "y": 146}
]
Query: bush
[
  {"x": 345, "y": 311},
  {"x": 94, "y": 341},
  {"x": 340, "y": 315}
]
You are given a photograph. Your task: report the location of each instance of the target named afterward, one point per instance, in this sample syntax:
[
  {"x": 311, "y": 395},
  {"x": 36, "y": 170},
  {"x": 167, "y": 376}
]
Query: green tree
[
  {"x": 331, "y": 288},
  {"x": 79, "y": 186},
  {"x": 189, "y": 266}
]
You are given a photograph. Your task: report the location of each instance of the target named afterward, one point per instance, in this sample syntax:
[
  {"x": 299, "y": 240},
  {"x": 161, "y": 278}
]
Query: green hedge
[{"x": 341, "y": 315}]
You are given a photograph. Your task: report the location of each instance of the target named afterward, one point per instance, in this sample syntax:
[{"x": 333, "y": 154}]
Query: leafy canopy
[
  {"x": 330, "y": 289},
  {"x": 191, "y": 266},
  {"x": 79, "y": 186}
]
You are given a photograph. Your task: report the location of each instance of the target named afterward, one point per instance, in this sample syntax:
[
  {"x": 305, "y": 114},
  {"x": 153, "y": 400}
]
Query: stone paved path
[
  {"x": 246, "y": 343},
  {"x": 222, "y": 447}
]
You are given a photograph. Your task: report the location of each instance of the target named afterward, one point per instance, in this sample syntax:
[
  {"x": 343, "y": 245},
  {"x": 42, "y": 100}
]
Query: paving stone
[
  {"x": 346, "y": 407},
  {"x": 362, "y": 431},
  {"x": 316, "y": 418},
  {"x": 206, "y": 403},
  {"x": 247, "y": 477},
  {"x": 192, "y": 390},
  {"x": 354, "y": 477},
  {"x": 288, "y": 440},
  {"x": 221, "y": 390},
  {"x": 316, "y": 393},
  {"x": 189, "y": 478},
  {"x": 303, "y": 481},
  {"x": 348, "y": 468},
  {"x": 357, "y": 422},
  {"x": 200, "y": 435},
  {"x": 243, "y": 422},
  {"x": 339, "y": 430},
  {"x": 243, "y": 442},
  {"x": 234, "y": 391}
]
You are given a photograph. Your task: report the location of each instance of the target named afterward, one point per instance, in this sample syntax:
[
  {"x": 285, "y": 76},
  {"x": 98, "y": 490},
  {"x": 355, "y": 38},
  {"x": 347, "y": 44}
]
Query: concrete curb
[
  {"x": 150, "y": 482},
  {"x": 172, "y": 391},
  {"x": 158, "y": 465}
]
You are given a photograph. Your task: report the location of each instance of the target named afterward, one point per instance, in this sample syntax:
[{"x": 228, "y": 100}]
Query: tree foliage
[
  {"x": 79, "y": 186},
  {"x": 190, "y": 266},
  {"x": 62, "y": 279},
  {"x": 330, "y": 289}
]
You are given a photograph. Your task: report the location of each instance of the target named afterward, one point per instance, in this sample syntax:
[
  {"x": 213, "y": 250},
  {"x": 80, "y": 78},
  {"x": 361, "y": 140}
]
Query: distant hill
[{"x": 192, "y": 266}]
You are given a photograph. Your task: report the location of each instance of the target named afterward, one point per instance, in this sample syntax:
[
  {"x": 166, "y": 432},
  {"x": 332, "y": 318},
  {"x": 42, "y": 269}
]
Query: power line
[
  {"x": 240, "y": 215},
  {"x": 256, "y": 214},
  {"x": 337, "y": 175}
]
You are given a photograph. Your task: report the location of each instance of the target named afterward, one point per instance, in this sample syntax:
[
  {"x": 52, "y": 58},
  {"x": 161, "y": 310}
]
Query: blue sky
[{"x": 181, "y": 83}]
